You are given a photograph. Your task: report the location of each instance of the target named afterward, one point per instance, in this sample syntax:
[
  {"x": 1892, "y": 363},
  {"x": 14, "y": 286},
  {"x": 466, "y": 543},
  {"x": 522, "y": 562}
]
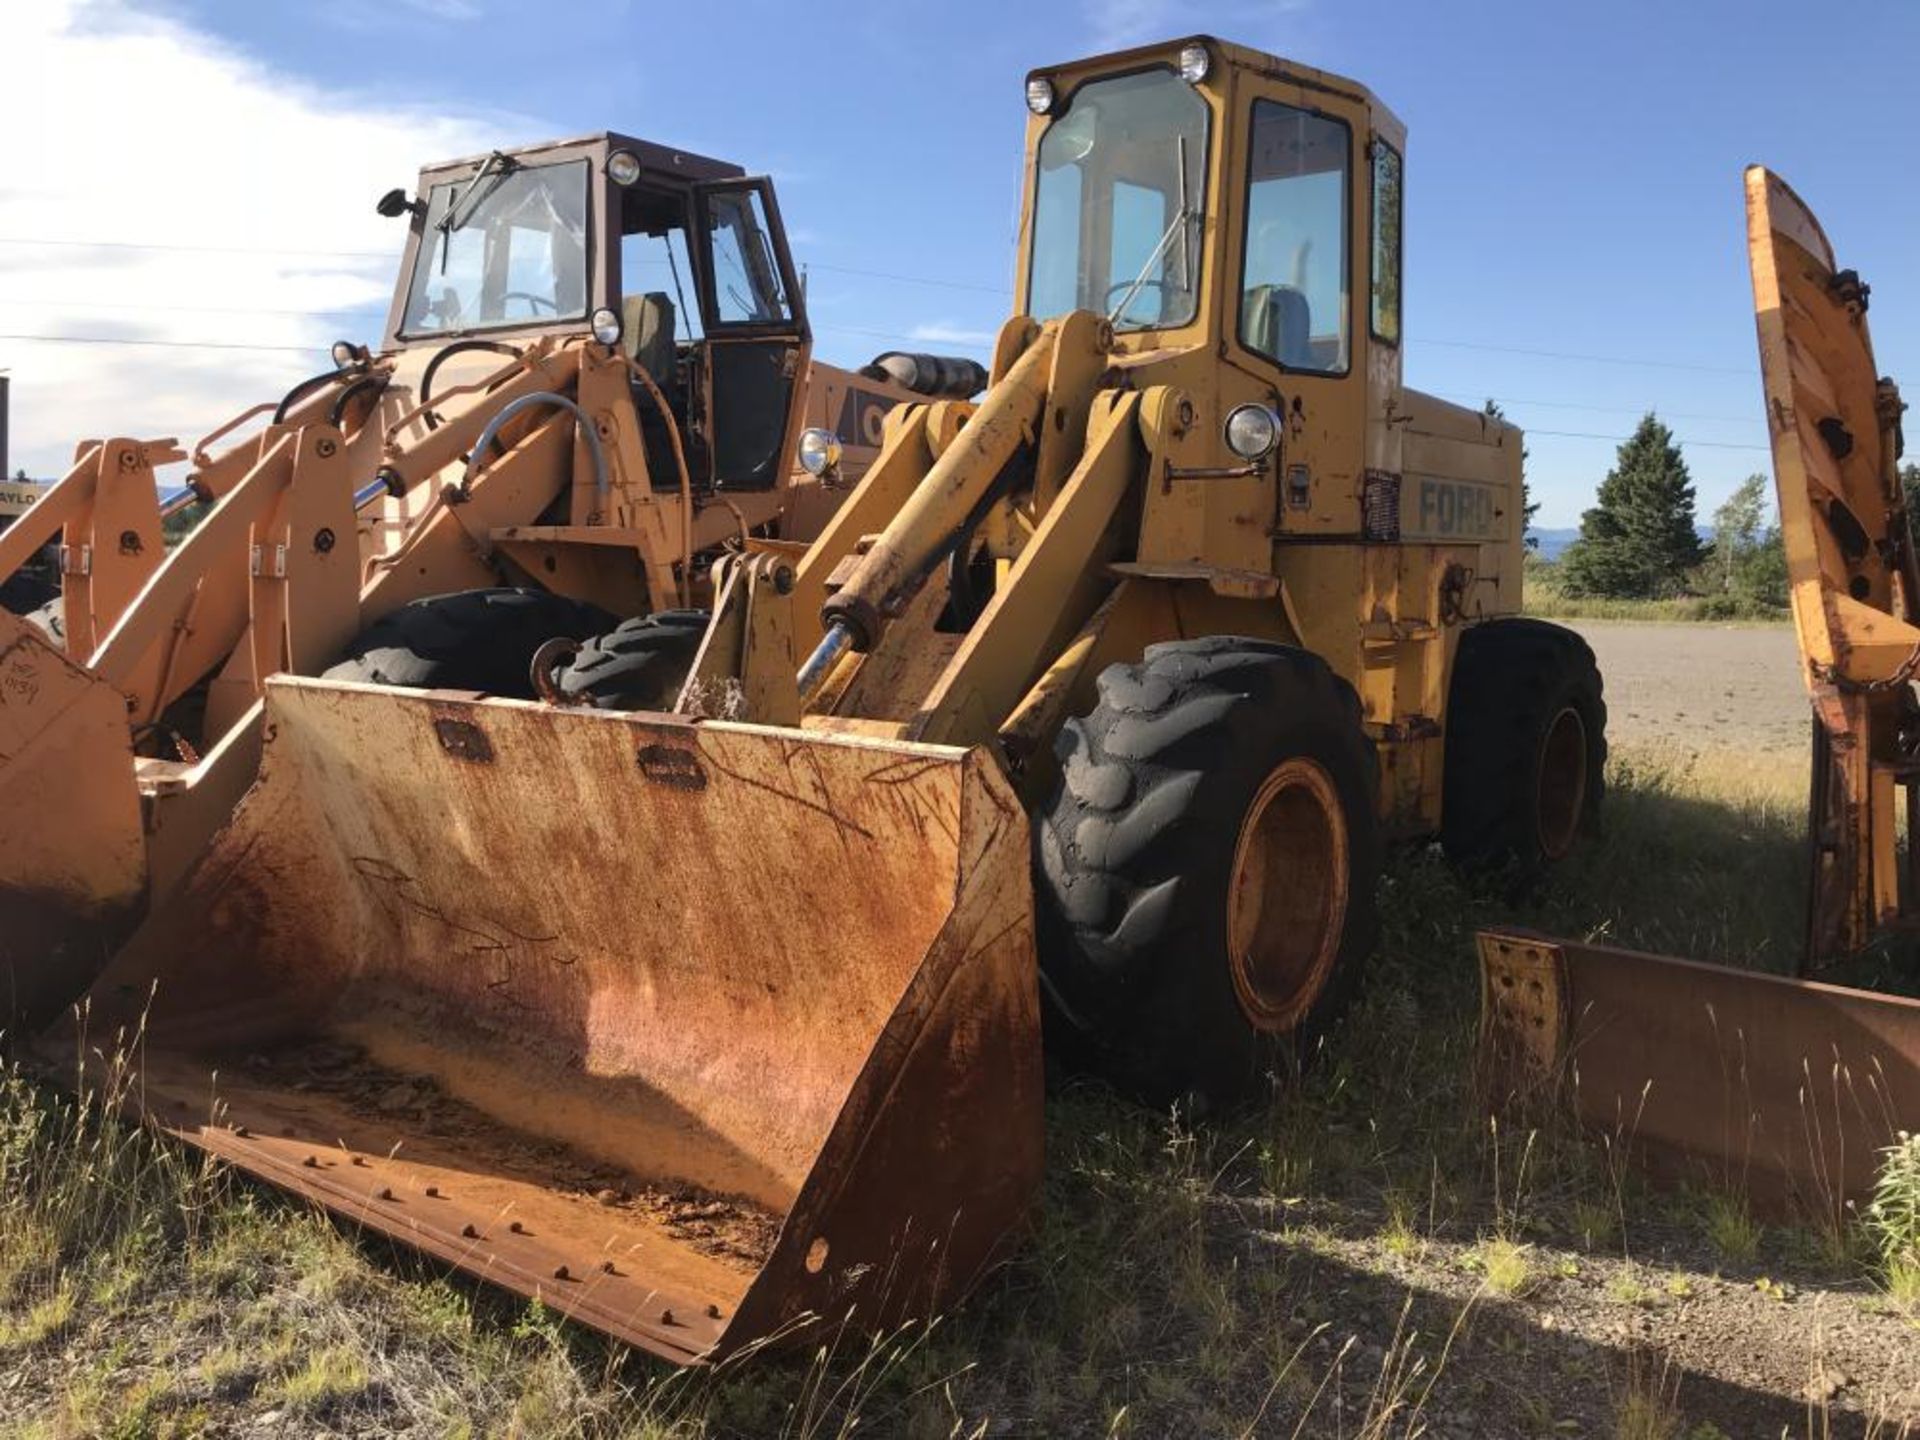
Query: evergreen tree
[
  {"x": 1639, "y": 539},
  {"x": 1529, "y": 507}
]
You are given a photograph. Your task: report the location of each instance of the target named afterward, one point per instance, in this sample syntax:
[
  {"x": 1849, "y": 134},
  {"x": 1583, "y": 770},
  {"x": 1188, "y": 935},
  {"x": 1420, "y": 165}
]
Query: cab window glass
[
  {"x": 1386, "y": 243},
  {"x": 1139, "y": 220},
  {"x": 1118, "y": 202},
  {"x": 1294, "y": 289},
  {"x": 1054, "y": 286},
  {"x": 747, "y": 288},
  {"x": 655, "y": 266},
  {"x": 504, "y": 246}
]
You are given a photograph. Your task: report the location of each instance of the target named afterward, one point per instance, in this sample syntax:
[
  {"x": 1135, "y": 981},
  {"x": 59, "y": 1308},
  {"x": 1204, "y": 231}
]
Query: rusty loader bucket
[
  {"x": 1784, "y": 1088},
  {"x": 692, "y": 1031},
  {"x": 74, "y": 884}
]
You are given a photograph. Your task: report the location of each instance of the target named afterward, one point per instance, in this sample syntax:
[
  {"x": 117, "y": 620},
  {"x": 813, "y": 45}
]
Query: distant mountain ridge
[{"x": 1554, "y": 542}]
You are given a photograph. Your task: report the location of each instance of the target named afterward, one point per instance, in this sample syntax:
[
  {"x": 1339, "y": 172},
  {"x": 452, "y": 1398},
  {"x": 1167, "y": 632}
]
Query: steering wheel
[
  {"x": 1122, "y": 287},
  {"x": 534, "y": 302}
]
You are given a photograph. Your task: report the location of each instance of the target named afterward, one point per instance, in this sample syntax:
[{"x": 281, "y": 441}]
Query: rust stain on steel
[
  {"x": 70, "y": 827},
  {"x": 463, "y": 739},
  {"x": 1787, "y": 1088},
  {"x": 613, "y": 986}
]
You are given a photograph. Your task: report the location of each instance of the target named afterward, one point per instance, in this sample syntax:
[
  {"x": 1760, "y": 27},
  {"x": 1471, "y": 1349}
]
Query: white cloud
[
  {"x": 366, "y": 17},
  {"x": 263, "y": 184},
  {"x": 445, "y": 9},
  {"x": 1119, "y": 24},
  {"x": 940, "y": 333}
]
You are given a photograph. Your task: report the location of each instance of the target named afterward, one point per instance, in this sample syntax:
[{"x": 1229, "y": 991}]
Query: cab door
[{"x": 757, "y": 338}]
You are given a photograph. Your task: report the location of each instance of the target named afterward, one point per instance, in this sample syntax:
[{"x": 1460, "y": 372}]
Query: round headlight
[
  {"x": 605, "y": 325},
  {"x": 1039, "y": 95},
  {"x": 1194, "y": 63},
  {"x": 623, "y": 167},
  {"x": 345, "y": 353},
  {"x": 818, "y": 451},
  {"x": 1252, "y": 431}
]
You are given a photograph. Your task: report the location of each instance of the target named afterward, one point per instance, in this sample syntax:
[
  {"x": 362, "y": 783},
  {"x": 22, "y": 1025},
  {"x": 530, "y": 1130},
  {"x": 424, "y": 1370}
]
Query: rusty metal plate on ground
[
  {"x": 737, "y": 1026},
  {"x": 1785, "y": 1088}
]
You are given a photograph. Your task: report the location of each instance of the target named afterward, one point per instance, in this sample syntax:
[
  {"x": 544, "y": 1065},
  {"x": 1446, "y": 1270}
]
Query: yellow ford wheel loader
[
  {"x": 1790, "y": 1084},
  {"x": 595, "y": 371},
  {"x": 707, "y": 1022}
]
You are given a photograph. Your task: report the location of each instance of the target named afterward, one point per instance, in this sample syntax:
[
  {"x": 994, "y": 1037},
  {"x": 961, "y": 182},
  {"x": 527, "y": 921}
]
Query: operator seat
[
  {"x": 646, "y": 328},
  {"x": 1277, "y": 321},
  {"x": 646, "y": 334}
]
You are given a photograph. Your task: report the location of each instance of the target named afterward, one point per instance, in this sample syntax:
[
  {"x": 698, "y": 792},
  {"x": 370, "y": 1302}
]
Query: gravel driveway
[{"x": 1699, "y": 687}]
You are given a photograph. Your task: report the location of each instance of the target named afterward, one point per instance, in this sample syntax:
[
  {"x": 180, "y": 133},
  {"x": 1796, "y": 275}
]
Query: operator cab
[
  {"x": 679, "y": 260},
  {"x": 1237, "y": 216}
]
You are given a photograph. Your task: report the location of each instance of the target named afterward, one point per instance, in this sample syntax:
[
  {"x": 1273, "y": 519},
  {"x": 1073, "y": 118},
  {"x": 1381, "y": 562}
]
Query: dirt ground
[
  {"x": 1698, "y": 687},
  {"x": 1371, "y": 1258}
]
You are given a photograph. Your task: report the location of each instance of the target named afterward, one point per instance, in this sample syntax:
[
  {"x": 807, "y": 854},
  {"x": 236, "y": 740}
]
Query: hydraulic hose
[
  {"x": 302, "y": 390},
  {"x": 525, "y": 402},
  {"x": 345, "y": 397},
  {"x": 444, "y": 354}
]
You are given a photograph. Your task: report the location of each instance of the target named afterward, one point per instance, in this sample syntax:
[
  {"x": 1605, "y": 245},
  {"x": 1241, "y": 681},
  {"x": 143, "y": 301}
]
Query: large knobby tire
[
  {"x": 1206, "y": 868},
  {"x": 1526, "y": 746},
  {"x": 472, "y": 640},
  {"x": 639, "y": 665},
  {"x": 26, "y": 592}
]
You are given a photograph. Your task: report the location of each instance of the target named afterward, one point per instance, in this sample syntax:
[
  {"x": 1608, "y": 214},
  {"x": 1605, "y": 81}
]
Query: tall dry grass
[{"x": 1238, "y": 1277}]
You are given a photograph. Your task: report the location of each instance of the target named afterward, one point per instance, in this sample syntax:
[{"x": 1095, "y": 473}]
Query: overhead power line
[
  {"x": 1622, "y": 439},
  {"x": 101, "y": 307},
  {"x": 35, "y": 339},
  {"x": 176, "y": 249},
  {"x": 315, "y": 349},
  {"x": 66, "y": 244},
  {"x": 1589, "y": 359},
  {"x": 1002, "y": 290},
  {"x": 165, "y": 344},
  {"x": 940, "y": 283},
  {"x": 1661, "y": 410}
]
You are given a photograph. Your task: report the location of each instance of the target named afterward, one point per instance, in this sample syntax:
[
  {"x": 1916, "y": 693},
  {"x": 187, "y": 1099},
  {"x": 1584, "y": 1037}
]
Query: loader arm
[
  {"x": 1048, "y": 456},
  {"x": 198, "y": 605}
]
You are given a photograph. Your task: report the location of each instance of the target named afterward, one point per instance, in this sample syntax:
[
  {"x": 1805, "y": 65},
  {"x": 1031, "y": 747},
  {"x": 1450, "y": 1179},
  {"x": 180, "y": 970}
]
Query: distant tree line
[{"x": 1640, "y": 541}]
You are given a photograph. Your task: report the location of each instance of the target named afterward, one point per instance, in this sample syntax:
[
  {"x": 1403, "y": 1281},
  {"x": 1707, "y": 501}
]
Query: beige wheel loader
[
  {"x": 1102, "y": 696},
  {"x": 594, "y": 374},
  {"x": 1788, "y": 1086}
]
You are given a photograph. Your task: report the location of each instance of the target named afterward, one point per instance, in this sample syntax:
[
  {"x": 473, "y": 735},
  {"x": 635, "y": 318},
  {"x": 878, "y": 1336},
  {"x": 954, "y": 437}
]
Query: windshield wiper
[
  {"x": 495, "y": 168},
  {"x": 1181, "y": 216}
]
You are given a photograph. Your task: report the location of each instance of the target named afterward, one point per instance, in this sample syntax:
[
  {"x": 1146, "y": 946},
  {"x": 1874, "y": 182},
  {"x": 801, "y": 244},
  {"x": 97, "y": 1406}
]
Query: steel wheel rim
[
  {"x": 1560, "y": 784},
  {"x": 1287, "y": 895}
]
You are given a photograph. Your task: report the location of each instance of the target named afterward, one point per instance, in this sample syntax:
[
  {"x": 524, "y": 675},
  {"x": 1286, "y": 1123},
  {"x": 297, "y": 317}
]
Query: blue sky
[{"x": 1574, "y": 230}]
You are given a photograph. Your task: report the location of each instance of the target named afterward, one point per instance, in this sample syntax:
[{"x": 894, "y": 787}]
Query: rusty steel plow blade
[
  {"x": 1787, "y": 1089},
  {"x": 73, "y": 872},
  {"x": 694, "y": 1032}
]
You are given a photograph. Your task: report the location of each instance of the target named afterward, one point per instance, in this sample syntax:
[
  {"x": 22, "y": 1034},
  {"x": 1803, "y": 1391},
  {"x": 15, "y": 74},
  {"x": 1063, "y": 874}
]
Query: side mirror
[{"x": 395, "y": 203}]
